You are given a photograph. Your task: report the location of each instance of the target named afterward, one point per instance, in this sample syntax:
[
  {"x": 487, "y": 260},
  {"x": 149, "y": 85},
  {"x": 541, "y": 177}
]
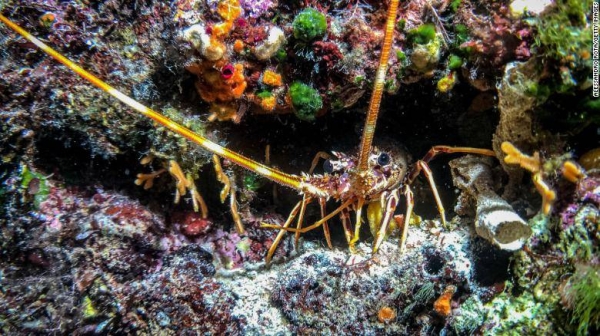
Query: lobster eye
[
  {"x": 383, "y": 159},
  {"x": 327, "y": 166}
]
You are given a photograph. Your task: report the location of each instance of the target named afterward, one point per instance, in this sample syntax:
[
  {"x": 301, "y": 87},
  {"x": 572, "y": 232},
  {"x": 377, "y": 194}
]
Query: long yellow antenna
[
  {"x": 292, "y": 181},
  {"x": 373, "y": 112}
]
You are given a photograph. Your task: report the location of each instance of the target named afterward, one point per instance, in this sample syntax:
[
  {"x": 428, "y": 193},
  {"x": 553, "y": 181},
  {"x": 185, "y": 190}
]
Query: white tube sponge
[
  {"x": 495, "y": 219},
  {"x": 273, "y": 43}
]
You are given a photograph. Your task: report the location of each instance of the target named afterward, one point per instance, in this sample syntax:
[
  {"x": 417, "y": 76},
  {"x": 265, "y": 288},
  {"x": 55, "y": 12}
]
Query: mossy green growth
[
  {"x": 522, "y": 315},
  {"x": 264, "y": 94},
  {"x": 454, "y": 4},
  {"x": 592, "y": 104},
  {"x": 583, "y": 292},
  {"x": 401, "y": 24},
  {"x": 252, "y": 181},
  {"x": 390, "y": 86},
  {"x": 576, "y": 241},
  {"x": 461, "y": 34},
  {"x": 565, "y": 31},
  {"x": 281, "y": 55},
  {"x": 309, "y": 25},
  {"x": 306, "y": 101},
  {"x": 34, "y": 185},
  {"x": 454, "y": 62},
  {"x": 401, "y": 55},
  {"x": 470, "y": 318},
  {"x": 359, "y": 79},
  {"x": 539, "y": 91},
  {"x": 423, "y": 34}
]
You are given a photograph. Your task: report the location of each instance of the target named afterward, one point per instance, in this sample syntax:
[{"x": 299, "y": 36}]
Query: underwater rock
[{"x": 515, "y": 107}]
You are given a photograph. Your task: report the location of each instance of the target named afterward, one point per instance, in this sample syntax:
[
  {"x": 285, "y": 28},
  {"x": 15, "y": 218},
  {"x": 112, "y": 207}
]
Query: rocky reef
[{"x": 111, "y": 224}]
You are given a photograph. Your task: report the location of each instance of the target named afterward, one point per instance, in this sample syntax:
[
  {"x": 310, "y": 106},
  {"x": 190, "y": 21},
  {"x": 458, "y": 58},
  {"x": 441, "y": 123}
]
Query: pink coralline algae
[
  {"x": 233, "y": 249},
  {"x": 587, "y": 191},
  {"x": 191, "y": 223},
  {"x": 256, "y": 8},
  {"x": 104, "y": 212}
]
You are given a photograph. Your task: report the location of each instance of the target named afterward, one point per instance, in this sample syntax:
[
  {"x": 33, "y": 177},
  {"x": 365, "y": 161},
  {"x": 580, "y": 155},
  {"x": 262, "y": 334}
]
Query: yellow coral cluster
[
  {"x": 220, "y": 82},
  {"x": 570, "y": 170},
  {"x": 183, "y": 184},
  {"x": 271, "y": 78},
  {"x": 229, "y": 10},
  {"x": 219, "y": 89},
  {"x": 534, "y": 165},
  {"x": 268, "y": 103}
]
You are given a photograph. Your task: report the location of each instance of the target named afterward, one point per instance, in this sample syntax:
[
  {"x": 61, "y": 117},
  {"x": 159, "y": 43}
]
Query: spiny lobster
[{"x": 373, "y": 177}]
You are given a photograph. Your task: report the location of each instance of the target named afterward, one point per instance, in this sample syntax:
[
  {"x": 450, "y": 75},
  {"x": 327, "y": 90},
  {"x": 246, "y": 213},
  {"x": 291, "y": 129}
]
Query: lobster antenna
[
  {"x": 373, "y": 112},
  {"x": 292, "y": 181}
]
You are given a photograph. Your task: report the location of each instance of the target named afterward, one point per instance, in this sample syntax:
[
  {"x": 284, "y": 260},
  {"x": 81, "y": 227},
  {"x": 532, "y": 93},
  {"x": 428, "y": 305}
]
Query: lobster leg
[
  {"x": 228, "y": 190},
  {"x": 422, "y": 166},
  {"x": 322, "y": 202},
  {"x": 305, "y": 201},
  {"x": 359, "y": 207},
  {"x": 390, "y": 207},
  {"x": 410, "y": 203},
  {"x": 312, "y": 226},
  {"x": 233, "y": 208},
  {"x": 287, "y": 223},
  {"x": 345, "y": 218},
  {"x": 435, "y": 150}
]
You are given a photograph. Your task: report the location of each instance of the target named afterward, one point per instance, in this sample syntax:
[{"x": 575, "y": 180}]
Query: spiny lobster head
[{"x": 386, "y": 170}]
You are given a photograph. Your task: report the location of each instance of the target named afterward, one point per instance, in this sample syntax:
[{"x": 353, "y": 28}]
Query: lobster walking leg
[
  {"x": 422, "y": 166},
  {"x": 345, "y": 218},
  {"x": 390, "y": 206},
  {"x": 228, "y": 189},
  {"x": 359, "y": 207},
  {"x": 287, "y": 223},
  {"x": 315, "y": 224},
  {"x": 410, "y": 204},
  {"x": 322, "y": 202},
  {"x": 305, "y": 201}
]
